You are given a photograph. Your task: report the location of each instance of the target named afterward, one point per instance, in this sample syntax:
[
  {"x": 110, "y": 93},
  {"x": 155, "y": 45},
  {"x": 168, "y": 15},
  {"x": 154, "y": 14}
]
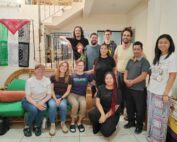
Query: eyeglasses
[{"x": 80, "y": 65}]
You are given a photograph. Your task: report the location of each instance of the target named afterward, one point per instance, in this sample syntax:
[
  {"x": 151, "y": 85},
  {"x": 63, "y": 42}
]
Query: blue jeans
[
  {"x": 53, "y": 110},
  {"x": 33, "y": 114}
]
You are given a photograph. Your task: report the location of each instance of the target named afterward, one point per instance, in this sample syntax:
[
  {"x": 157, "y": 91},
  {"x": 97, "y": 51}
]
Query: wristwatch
[{"x": 61, "y": 98}]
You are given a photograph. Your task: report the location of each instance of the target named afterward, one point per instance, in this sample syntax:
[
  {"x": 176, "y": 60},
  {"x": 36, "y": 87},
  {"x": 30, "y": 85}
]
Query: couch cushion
[
  {"x": 11, "y": 96},
  {"x": 17, "y": 84},
  {"x": 11, "y": 109}
]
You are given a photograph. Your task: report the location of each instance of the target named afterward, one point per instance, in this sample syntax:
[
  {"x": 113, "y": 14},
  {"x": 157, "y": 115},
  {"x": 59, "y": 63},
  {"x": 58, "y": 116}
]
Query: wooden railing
[{"x": 52, "y": 2}]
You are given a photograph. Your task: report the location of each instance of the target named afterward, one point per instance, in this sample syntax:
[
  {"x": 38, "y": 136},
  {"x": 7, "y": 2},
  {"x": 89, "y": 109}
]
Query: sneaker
[
  {"x": 81, "y": 127},
  {"x": 37, "y": 131},
  {"x": 52, "y": 130},
  {"x": 72, "y": 128},
  {"x": 95, "y": 130},
  {"x": 64, "y": 127},
  {"x": 27, "y": 132},
  {"x": 129, "y": 125}
]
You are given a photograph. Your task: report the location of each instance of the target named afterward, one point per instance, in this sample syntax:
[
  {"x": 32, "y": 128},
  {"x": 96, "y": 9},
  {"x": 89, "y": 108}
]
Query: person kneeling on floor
[{"x": 105, "y": 116}]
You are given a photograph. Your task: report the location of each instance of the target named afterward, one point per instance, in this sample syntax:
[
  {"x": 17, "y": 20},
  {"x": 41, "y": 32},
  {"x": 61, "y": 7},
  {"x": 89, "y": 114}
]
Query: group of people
[{"x": 117, "y": 75}]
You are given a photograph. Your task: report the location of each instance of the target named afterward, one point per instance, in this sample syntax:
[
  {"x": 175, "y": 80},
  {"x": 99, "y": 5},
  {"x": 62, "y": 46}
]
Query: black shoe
[
  {"x": 129, "y": 125},
  {"x": 95, "y": 130},
  {"x": 27, "y": 132},
  {"x": 138, "y": 130},
  {"x": 81, "y": 127},
  {"x": 37, "y": 131},
  {"x": 72, "y": 128}
]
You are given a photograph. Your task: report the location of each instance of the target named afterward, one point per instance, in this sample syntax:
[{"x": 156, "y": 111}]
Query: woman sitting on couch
[
  {"x": 60, "y": 92},
  {"x": 37, "y": 93}
]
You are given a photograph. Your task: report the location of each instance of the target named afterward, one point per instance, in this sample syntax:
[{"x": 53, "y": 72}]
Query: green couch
[{"x": 13, "y": 109}]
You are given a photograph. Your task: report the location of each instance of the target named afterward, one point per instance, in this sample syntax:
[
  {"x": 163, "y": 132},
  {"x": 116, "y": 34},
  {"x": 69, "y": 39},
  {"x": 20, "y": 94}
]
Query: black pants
[
  {"x": 122, "y": 88},
  {"x": 108, "y": 127},
  {"x": 136, "y": 106}
]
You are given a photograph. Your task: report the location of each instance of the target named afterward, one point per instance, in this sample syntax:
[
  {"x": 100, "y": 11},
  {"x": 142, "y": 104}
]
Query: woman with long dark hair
[
  {"x": 105, "y": 116},
  {"x": 163, "y": 74},
  {"x": 103, "y": 64}
]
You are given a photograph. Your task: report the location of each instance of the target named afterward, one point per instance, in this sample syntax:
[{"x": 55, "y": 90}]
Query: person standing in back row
[
  {"x": 92, "y": 50},
  {"x": 110, "y": 43},
  {"x": 78, "y": 38},
  {"x": 122, "y": 55}
]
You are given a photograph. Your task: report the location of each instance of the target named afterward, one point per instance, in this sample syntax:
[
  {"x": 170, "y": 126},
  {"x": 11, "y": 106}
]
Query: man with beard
[
  {"x": 122, "y": 54},
  {"x": 110, "y": 43},
  {"x": 92, "y": 53},
  {"x": 92, "y": 50},
  {"x": 78, "y": 38}
]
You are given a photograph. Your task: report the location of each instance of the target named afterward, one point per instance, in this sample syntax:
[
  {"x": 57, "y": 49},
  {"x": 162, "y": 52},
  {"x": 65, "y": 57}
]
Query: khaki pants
[{"x": 78, "y": 103}]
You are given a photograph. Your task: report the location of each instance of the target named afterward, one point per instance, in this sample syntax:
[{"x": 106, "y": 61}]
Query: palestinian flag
[{"x": 14, "y": 42}]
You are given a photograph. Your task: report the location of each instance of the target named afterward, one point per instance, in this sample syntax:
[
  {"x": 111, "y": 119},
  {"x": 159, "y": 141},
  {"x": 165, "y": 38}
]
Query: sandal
[
  {"x": 27, "y": 132},
  {"x": 72, "y": 128},
  {"x": 81, "y": 127}
]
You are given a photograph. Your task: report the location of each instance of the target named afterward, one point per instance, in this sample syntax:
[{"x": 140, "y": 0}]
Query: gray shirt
[
  {"x": 92, "y": 52},
  {"x": 135, "y": 68}
]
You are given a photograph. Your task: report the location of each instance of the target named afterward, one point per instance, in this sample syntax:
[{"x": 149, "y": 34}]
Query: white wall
[
  {"x": 137, "y": 19},
  {"x": 97, "y": 22}
]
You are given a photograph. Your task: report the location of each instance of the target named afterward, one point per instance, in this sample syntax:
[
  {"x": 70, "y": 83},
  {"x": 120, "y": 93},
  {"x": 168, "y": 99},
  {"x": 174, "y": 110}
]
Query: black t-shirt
[
  {"x": 105, "y": 96},
  {"x": 102, "y": 66},
  {"x": 60, "y": 86},
  {"x": 74, "y": 43}
]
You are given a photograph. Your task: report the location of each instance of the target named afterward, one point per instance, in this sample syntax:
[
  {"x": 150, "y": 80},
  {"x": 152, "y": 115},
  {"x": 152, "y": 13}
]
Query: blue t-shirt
[{"x": 79, "y": 83}]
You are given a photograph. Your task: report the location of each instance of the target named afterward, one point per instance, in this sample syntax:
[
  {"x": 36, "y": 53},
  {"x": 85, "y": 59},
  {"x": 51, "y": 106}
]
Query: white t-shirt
[
  {"x": 160, "y": 74},
  {"x": 38, "y": 89}
]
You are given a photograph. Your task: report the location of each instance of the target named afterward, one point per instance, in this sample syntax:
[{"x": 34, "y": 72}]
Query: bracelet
[{"x": 61, "y": 98}]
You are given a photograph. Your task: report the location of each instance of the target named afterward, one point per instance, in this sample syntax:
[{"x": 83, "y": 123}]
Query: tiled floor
[{"x": 15, "y": 134}]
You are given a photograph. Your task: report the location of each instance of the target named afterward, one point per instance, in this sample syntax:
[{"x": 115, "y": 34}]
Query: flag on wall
[
  {"x": 3, "y": 46},
  {"x": 13, "y": 25},
  {"x": 23, "y": 48},
  {"x": 15, "y": 45},
  {"x": 13, "y": 49}
]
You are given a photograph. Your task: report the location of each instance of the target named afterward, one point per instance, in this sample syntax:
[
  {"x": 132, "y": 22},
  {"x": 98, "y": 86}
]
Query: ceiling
[{"x": 112, "y": 6}]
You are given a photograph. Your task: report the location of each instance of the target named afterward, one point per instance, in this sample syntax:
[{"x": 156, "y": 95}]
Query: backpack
[{"x": 4, "y": 125}]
